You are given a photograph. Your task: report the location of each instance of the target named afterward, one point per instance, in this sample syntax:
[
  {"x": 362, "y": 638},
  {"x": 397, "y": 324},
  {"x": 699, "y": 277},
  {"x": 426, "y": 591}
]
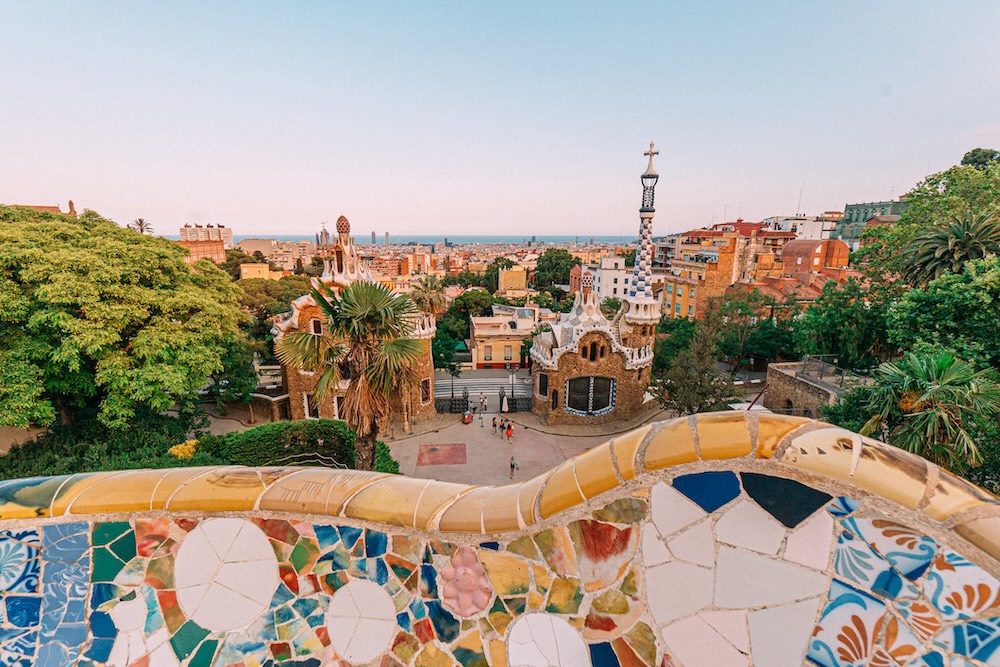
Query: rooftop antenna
[{"x": 798, "y": 209}]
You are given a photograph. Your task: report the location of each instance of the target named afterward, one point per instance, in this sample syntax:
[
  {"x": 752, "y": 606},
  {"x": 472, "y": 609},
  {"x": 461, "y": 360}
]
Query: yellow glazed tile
[
  {"x": 953, "y": 494},
  {"x": 626, "y": 447},
  {"x": 222, "y": 490},
  {"x": 670, "y": 446},
  {"x": 772, "y": 429},
  {"x": 826, "y": 451},
  {"x": 171, "y": 481},
  {"x": 891, "y": 473},
  {"x": 314, "y": 490},
  {"x": 595, "y": 471},
  {"x": 508, "y": 574},
  {"x": 77, "y": 485},
  {"x": 123, "y": 492},
  {"x": 29, "y": 498},
  {"x": 984, "y": 533},
  {"x": 434, "y": 498},
  {"x": 465, "y": 515},
  {"x": 527, "y": 496},
  {"x": 392, "y": 500},
  {"x": 560, "y": 492},
  {"x": 498, "y": 653},
  {"x": 543, "y": 579},
  {"x": 723, "y": 435},
  {"x": 500, "y": 509}
]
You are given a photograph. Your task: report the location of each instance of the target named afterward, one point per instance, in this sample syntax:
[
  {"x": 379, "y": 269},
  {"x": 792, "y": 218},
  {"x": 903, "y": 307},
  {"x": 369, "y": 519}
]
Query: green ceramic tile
[
  {"x": 124, "y": 546},
  {"x": 205, "y": 654},
  {"x": 611, "y": 602},
  {"x": 515, "y": 604},
  {"x": 304, "y": 555},
  {"x": 106, "y": 565},
  {"x": 523, "y": 546},
  {"x": 623, "y": 510},
  {"x": 565, "y": 596},
  {"x": 109, "y": 531},
  {"x": 187, "y": 638},
  {"x": 629, "y": 586}
]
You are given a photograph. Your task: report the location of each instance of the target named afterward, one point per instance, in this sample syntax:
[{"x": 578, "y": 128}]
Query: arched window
[
  {"x": 591, "y": 395},
  {"x": 593, "y": 351},
  {"x": 555, "y": 399},
  {"x": 316, "y": 326},
  {"x": 604, "y": 349}
]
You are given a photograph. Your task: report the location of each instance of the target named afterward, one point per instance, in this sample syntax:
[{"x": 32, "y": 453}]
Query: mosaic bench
[{"x": 721, "y": 539}]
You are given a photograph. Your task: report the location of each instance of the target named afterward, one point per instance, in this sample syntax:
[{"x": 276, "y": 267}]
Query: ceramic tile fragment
[
  {"x": 542, "y": 640},
  {"x": 671, "y": 511},
  {"x": 653, "y": 550},
  {"x": 732, "y": 625},
  {"x": 694, "y": 544},
  {"x": 710, "y": 490},
  {"x": 780, "y": 635},
  {"x": 684, "y": 588},
  {"x": 603, "y": 551},
  {"x": 695, "y": 643},
  {"x": 847, "y": 627},
  {"x": 788, "y": 501},
  {"x": 361, "y": 620},
  {"x": 737, "y": 588},
  {"x": 748, "y": 525},
  {"x": 809, "y": 544}
]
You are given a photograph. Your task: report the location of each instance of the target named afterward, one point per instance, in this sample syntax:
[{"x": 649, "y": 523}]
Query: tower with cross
[{"x": 641, "y": 311}]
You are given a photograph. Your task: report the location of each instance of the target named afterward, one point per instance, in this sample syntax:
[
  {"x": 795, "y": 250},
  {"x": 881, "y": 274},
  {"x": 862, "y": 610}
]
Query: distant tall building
[
  {"x": 208, "y": 233},
  {"x": 324, "y": 236},
  {"x": 387, "y": 238},
  {"x": 373, "y": 238}
]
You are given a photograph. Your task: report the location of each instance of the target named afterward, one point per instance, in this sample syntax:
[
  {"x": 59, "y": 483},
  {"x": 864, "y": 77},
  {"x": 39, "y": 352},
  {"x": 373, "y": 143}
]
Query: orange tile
[
  {"x": 129, "y": 491},
  {"x": 984, "y": 533},
  {"x": 435, "y": 498},
  {"x": 723, "y": 435},
  {"x": 221, "y": 490},
  {"x": 171, "y": 481},
  {"x": 77, "y": 485},
  {"x": 500, "y": 509},
  {"x": 772, "y": 429},
  {"x": 626, "y": 447},
  {"x": 560, "y": 492},
  {"x": 465, "y": 515},
  {"x": 527, "y": 497},
  {"x": 672, "y": 445},
  {"x": 31, "y": 497},
  {"x": 498, "y": 653},
  {"x": 595, "y": 471},
  {"x": 392, "y": 500},
  {"x": 310, "y": 490},
  {"x": 891, "y": 473},
  {"x": 952, "y": 494}
]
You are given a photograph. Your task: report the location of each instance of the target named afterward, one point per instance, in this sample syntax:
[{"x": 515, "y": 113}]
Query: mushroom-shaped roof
[
  {"x": 343, "y": 226},
  {"x": 588, "y": 280}
]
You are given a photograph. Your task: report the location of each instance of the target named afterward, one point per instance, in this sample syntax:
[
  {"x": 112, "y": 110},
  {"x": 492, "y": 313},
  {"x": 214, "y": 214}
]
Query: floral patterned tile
[
  {"x": 959, "y": 588},
  {"x": 847, "y": 629},
  {"x": 910, "y": 552}
]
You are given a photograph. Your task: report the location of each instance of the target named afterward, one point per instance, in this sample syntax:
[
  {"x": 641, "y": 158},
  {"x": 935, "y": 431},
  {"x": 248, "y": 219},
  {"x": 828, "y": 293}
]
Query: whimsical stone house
[
  {"x": 345, "y": 266},
  {"x": 588, "y": 369},
  {"x": 734, "y": 539}
]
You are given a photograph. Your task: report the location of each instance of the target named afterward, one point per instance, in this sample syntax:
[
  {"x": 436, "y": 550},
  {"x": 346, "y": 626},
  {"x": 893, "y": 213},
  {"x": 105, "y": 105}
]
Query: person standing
[
  {"x": 513, "y": 467},
  {"x": 494, "y": 424},
  {"x": 510, "y": 432},
  {"x": 482, "y": 401}
]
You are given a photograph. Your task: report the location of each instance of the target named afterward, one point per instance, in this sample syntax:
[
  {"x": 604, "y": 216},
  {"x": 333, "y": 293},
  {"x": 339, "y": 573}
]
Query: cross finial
[{"x": 651, "y": 152}]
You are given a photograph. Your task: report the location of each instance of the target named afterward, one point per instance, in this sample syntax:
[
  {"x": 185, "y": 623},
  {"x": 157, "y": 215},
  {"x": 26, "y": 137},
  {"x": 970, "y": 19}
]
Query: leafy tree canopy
[
  {"x": 954, "y": 193},
  {"x": 980, "y": 158},
  {"x": 844, "y": 323},
  {"x": 553, "y": 267},
  {"x": 94, "y": 315}
]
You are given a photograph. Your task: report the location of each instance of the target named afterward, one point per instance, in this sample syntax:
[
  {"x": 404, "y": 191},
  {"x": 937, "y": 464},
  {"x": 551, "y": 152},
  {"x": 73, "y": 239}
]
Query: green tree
[
  {"x": 692, "y": 383},
  {"x": 956, "y": 311},
  {"x": 947, "y": 247},
  {"x": 610, "y": 305},
  {"x": 980, "y": 158},
  {"x": 553, "y": 267},
  {"x": 630, "y": 258},
  {"x": 367, "y": 335},
  {"x": 428, "y": 295},
  {"x": 300, "y": 269},
  {"x": 953, "y": 193},
  {"x": 236, "y": 381},
  {"x": 233, "y": 260},
  {"x": 104, "y": 319},
  {"x": 315, "y": 267},
  {"x": 473, "y": 303},
  {"x": 676, "y": 335},
  {"x": 842, "y": 322},
  {"x": 140, "y": 225},
  {"x": 742, "y": 317},
  {"x": 491, "y": 279},
  {"x": 926, "y": 403}
]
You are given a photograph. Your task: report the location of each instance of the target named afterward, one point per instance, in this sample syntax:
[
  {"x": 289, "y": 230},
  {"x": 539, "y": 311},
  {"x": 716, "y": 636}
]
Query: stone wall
[
  {"x": 629, "y": 386},
  {"x": 788, "y": 394},
  {"x": 731, "y": 539}
]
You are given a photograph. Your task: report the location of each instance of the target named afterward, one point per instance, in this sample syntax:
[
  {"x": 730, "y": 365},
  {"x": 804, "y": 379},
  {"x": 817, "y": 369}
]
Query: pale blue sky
[{"x": 470, "y": 117}]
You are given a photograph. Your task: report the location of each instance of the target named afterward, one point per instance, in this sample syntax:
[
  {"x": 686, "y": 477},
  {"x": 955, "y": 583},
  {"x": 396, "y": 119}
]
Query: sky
[{"x": 490, "y": 118}]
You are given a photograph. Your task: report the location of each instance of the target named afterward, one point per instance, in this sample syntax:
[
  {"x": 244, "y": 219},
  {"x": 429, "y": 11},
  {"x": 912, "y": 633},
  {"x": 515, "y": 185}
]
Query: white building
[
  {"x": 816, "y": 228},
  {"x": 208, "y": 233},
  {"x": 611, "y": 277}
]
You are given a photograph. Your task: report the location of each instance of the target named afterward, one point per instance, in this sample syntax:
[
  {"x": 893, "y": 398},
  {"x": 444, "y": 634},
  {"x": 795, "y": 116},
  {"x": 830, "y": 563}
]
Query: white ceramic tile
[
  {"x": 695, "y": 544},
  {"x": 672, "y": 511},
  {"x": 196, "y": 561},
  {"x": 250, "y": 544},
  {"x": 744, "y": 579},
  {"x": 222, "y": 534},
  {"x": 747, "y": 525},
  {"x": 222, "y": 610},
  {"x": 677, "y": 589},
  {"x": 779, "y": 636},
  {"x": 543, "y": 640},
  {"x": 129, "y": 615},
  {"x": 361, "y": 621},
  {"x": 256, "y": 579},
  {"x": 730, "y": 624},
  {"x": 653, "y": 551},
  {"x": 163, "y": 657},
  {"x": 810, "y": 543},
  {"x": 694, "y": 643}
]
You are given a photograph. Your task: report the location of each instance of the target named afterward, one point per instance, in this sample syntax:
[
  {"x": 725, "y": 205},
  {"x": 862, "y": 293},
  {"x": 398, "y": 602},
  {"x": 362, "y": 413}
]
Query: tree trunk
[
  {"x": 364, "y": 450},
  {"x": 253, "y": 420}
]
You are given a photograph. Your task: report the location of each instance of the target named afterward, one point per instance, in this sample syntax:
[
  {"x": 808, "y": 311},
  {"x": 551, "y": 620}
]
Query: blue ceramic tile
[
  {"x": 326, "y": 536},
  {"x": 403, "y": 621},
  {"x": 979, "y": 639},
  {"x": 23, "y": 611},
  {"x": 348, "y": 535},
  {"x": 711, "y": 490},
  {"x": 492, "y": 546},
  {"x": 376, "y": 543},
  {"x": 842, "y": 506},
  {"x": 786, "y": 500},
  {"x": 445, "y": 625},
  {"x": 602, "y": 655},
  {"x": 909, "y": 552}
]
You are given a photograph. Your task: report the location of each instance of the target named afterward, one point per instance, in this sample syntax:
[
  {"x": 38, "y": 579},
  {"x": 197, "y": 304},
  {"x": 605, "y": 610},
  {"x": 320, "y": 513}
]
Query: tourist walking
[
  {"x": 482, "y": 401},
  {"x": 513, "y": 467},
  {"x": 494, "y": 425},
  {"x": 510, "y": 432}
]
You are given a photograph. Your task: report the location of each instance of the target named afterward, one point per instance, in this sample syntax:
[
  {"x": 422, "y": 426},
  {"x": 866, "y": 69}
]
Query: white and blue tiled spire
[{"x": 640, "y": 294}]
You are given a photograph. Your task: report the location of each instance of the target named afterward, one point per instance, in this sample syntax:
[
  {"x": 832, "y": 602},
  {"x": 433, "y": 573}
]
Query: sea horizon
[{"x": 430, "y": 239}]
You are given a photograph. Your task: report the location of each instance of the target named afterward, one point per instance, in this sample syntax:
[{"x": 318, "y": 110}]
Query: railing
[{"x": 822, "y": 370}]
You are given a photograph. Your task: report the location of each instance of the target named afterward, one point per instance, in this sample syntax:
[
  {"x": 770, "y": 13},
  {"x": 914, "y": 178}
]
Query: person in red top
[{"x": 510, "y": 432}]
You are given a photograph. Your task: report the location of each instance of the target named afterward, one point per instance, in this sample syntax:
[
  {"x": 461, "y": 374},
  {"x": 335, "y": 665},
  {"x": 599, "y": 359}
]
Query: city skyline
[{"x": 453, "y": 119}]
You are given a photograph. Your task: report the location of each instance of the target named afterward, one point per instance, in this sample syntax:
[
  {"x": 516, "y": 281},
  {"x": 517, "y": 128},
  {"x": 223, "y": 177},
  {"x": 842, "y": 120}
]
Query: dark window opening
[
  {"x": 317, "y": 326},
  {"x": 543, "y": 384},
  {"x": 589, "y": 395},
  {"x": 425, "y": 391},
  {"x": 555, "y": 399},
  {"x": 593, "y": 351}
]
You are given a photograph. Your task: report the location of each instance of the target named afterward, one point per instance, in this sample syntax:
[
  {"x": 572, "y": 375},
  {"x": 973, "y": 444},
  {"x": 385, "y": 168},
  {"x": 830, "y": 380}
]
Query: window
[
  {"x": 670, "y": 289},
  {"x": 507, "y": 351},
  {"x": 680, "y": 291},
  {"x": 616, "y": 281},
  {"x": 593, "y": 351},
  {"x": 555, "y": 399},
  {"x": 488, "y": 353},
  {"x": 543, "y": 384},
  {"x": 312, "y": 407},
  {"x": 425, "y": 391},
  {"x": 614, "y": 290},
  {"x": 583, "y": 351},
  {"x": 590, "y": 395},
  {"x": 316, "y": 326},
  {"x": 603, "y": 351},
  {"x": 677, "y": 308},
  {"x": 690, "y": 309}
]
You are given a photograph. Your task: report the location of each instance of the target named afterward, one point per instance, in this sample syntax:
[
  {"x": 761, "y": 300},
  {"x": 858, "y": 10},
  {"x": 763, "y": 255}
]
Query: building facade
[
  {"x": 588, "y": 369},
  {"x": 343, "y": 267},
  {"x": 208, "y": 233},
  {"x": 213, "y": 250},
  {"x": 856, "y": 216}
]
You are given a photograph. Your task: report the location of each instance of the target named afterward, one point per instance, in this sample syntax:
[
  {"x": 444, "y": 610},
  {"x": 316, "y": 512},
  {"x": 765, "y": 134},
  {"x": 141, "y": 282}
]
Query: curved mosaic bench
[{"x": 722, "y": 539}]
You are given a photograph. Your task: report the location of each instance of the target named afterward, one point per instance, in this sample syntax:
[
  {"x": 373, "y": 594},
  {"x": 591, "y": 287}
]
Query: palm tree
[
  {"x": 925, "y": 404},
  {"x": 947, "y": 247},
  {"x": 429, "y": 296},
  {"x": 366, "y": 342},
  {"x": 140, "y": 225}
]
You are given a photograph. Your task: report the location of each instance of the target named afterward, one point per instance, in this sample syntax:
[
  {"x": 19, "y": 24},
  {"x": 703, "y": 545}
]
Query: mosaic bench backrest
[{"x": 721, "y": 539}]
